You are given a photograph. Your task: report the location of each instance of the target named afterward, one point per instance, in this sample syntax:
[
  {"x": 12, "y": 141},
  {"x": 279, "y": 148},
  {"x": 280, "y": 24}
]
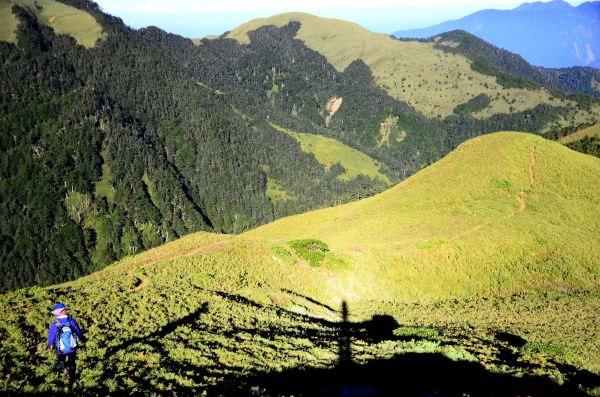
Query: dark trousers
[{"x": 67, "y": 361}]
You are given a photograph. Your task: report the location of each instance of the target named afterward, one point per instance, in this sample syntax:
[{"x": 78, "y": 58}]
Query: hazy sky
[{"x": 199, "y": 18}]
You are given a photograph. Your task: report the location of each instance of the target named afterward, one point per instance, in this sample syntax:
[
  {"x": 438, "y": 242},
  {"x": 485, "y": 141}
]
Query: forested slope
[{"x": 111, "y": 148}]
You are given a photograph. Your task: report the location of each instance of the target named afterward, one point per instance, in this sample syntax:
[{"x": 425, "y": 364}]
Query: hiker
[{"x": 64, "y": 337}]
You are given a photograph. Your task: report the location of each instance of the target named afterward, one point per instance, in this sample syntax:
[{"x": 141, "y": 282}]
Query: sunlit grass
[
  {"x": 8, "y": 22},
  {"x": 453, "y": 230},
  {"x": 329, "y": 151},
  {"x": 63, "y": 19}
]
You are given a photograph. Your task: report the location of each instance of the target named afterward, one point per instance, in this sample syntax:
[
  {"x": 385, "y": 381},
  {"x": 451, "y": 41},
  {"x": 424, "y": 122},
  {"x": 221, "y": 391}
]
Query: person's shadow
[
  {"x": 406, "y": 374},
  {"x": 352, "y": 374}
]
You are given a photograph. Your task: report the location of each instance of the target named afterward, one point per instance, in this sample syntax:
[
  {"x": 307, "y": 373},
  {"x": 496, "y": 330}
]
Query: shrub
[
  {"x": 311, "y": 250},
  {"x": 417, "y": 333}
]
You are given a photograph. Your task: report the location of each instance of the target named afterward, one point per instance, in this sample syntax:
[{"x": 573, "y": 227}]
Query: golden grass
[
  {"x": 433, "y": 81},
  {"x": 64, "y": 19},
  {"x": 329, "y": 151},
  {"x": 579, "y": 135},
  {"x": 456, "y": 228}
]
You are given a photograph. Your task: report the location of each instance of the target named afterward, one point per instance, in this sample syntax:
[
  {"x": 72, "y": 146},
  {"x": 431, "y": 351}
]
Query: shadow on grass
[
  {"x": 407, "y": 374},
  {"x": 161, "y": 332}
]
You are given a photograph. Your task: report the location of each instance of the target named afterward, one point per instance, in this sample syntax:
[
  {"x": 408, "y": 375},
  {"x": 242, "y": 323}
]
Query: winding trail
[
  {"x": 142, "y": 281},
  {"x": 531, "y": 168},
  {"x": 520, "y": 198}
]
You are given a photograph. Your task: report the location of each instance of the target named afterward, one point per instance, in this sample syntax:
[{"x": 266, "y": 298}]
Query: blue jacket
[{"x": 53, "y": 331}]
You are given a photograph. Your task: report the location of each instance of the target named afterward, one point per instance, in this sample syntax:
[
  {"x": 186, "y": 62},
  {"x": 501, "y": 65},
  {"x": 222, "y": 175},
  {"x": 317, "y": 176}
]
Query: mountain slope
[
  {"x": 245, "y": 312},
  {"x": 457, "y": 214},
  {"x": 490, "y": 59},
  {"x": 116, "y": 148},
  {"x": 593, "y": 131},
  {"x": 551, "y": 34},
  {"x": 394, "y": 65},
  {"x": 110, "y": 150},
  {"x": 60, "y": 17}
]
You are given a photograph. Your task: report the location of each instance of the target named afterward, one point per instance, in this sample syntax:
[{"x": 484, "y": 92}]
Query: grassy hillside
[
  {"x": 593, "y": 131},
  {"x": 329, "y": 151},
  {"x": 63, "y": 19},
  {"x": 431, "y": 80},
  {"x": 482, "y": 266},
  {"x": 457, "y": 213},
  {"x": 8, "y": 22}
]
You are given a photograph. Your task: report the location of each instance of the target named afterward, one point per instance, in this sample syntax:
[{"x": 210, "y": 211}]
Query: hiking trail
[
  {"x": 141, "y": 281},
  {"x": 520, "y": 198},
  {"x": 531, "y": 168}
]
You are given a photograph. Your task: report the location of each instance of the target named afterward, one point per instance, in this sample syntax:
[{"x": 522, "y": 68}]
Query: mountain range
[
  {"x": 115, "y": 140},
  {"x": 297, "y": 207},
  {"x": 550, "y": 34}
]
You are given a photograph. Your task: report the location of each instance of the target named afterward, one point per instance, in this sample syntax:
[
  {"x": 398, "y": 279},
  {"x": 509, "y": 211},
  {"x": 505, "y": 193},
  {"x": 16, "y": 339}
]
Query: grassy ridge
[
  {"x": 224, "y": 316},
  {"x": 496, "y": 267},
  {"x": 432, "y": 81},
  {"x": 63, "y": 19},
  {"x": 463, "y": 219},
  {"x": 593, "y": 131},
  {"x": 329, "y": 151}
]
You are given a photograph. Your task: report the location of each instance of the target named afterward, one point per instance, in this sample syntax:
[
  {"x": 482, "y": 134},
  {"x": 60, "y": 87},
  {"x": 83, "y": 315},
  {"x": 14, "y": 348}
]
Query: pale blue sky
[{"x": 199, "y": 18}]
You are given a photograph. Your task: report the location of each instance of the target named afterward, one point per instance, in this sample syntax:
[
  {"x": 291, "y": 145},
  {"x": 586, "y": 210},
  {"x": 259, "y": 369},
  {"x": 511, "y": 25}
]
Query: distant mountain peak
[
  {"x": 549, "y": 34},
  {"x": 543, "y": 5}
]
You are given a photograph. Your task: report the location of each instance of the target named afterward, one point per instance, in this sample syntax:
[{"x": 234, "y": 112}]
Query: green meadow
[
  {"x": 8, "y": 22},
  {"x": 63, "y": 19},
  {"x": 329, "y": 151},
  {"x": 484, "y": 264}
]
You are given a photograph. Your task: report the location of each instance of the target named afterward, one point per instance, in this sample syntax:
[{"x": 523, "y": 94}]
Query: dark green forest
[
  {"x": 512, "y": 70},
  {"x": 108, "y": 151}
]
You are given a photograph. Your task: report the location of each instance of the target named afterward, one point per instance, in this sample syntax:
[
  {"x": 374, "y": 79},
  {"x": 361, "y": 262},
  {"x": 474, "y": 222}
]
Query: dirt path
[
  {"x": 531, "y": 168},
  {"x": 473, "y": 230},
  {"x": 522, "y": 204},
  {"x": 204, "y": 248},
  {"x": 141, "y": 281},
  {"x": 520, "y": 198}
]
